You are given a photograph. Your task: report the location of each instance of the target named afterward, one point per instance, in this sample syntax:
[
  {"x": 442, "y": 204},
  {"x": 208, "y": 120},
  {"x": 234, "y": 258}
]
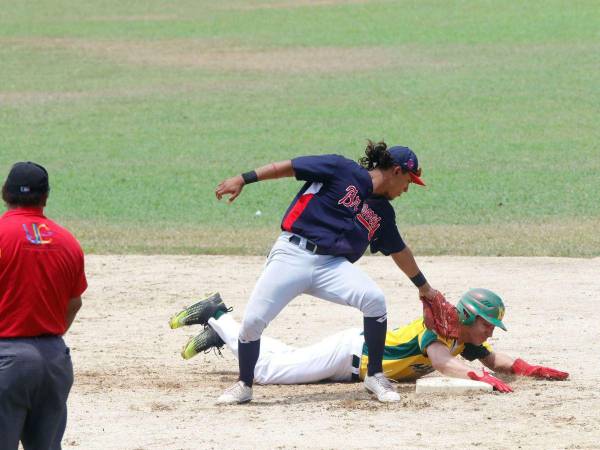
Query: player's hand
[
  {"x": 427, "y": 292},
  {"x": 440, "y": 316},
  {"x": 231, "y": 186},
  {"x": 497, "y": 384},
  {"x": 521, "y": 367}
]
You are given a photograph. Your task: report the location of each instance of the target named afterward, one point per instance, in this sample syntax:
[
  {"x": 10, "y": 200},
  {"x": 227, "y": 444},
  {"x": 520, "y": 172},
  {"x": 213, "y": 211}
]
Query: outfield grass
[{"x": 139, "y": 109}]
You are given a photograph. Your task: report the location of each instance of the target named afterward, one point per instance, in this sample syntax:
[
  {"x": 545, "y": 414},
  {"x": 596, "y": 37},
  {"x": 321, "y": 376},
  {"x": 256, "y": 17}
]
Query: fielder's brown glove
[{"x": 441, "y": 316}]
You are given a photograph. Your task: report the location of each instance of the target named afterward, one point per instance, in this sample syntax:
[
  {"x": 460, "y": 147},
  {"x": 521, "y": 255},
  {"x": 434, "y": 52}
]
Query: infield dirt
[{"x": 133, "y": 391}]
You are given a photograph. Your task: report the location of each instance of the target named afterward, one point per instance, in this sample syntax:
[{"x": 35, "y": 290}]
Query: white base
[{"x": 450, "y": 385}]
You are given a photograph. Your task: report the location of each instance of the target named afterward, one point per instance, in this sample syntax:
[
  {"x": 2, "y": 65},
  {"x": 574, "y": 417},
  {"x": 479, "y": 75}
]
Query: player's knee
[
  {"x": 373, "y": 304},
  {"x": 252, "y": 328}
]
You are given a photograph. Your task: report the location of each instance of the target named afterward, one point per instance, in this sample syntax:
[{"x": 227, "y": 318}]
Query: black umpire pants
[{"x": 36, "y": 375}]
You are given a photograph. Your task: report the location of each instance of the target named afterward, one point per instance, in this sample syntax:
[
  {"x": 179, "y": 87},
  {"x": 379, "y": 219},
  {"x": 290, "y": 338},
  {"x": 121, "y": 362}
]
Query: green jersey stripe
[{"x": 395, "y": 352}]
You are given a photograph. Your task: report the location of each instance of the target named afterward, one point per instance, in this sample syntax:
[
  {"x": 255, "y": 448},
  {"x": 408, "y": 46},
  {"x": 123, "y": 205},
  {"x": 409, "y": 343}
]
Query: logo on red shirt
[{"x": 40, "y": 234}]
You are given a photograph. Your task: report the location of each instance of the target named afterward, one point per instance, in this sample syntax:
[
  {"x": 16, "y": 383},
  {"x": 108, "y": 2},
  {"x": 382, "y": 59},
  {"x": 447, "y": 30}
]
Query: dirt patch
[
  {"x": 217, "y": 55},
  {"x": 133, "y": 390},
  {"x": 134, "y": 18},
  {"x": 27, "y": 98},
  {"x": 19, "y": 98},
  {"x": 292, "y": 4},
  {"x": 238, "y": 6}
]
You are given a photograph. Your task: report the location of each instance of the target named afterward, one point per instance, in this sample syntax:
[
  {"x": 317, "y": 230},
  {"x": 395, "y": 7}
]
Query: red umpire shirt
[{"x": 41, "y": 269}]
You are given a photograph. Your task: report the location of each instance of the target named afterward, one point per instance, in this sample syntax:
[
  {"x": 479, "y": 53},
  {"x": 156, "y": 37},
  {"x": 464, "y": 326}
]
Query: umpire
[{"x": 41, "y": 281}]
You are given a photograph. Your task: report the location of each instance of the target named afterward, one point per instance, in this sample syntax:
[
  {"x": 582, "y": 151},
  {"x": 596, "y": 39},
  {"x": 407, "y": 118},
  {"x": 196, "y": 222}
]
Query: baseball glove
[{"x": 441, "y": 316}]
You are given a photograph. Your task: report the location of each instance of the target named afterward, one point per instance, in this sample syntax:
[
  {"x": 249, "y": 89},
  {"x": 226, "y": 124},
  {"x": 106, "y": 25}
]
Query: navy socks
[
  {"x": 375, "y": 330},
  {"x": 248, "y": 355}
]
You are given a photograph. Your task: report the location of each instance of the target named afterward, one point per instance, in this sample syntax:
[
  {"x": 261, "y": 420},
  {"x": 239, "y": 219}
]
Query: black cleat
[
  {"x": 203, "y": 342},
  {"x": 199, "y": 312}
]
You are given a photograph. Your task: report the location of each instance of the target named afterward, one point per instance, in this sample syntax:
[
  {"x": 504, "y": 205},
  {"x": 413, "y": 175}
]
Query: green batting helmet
[{"x": 483, "y": 303}]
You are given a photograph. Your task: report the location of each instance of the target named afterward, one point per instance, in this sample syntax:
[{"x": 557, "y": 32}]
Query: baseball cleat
[
  {"x": 238, "y": 393},
  {"x": 382, "y": 388},
  {"x": 203, "y": 342},
  {"x": 199, "y": 312}
]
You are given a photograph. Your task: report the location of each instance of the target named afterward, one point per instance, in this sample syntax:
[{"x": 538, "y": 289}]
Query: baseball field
[{"x": 138, "y": 109}]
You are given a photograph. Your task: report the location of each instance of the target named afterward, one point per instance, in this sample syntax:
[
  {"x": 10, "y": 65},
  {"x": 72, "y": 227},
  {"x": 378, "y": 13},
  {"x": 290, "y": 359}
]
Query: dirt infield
[{"x": 133, "y": 391}]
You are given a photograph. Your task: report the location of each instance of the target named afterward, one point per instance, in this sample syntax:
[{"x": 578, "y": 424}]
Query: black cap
[{"x": 27, "y": 177}]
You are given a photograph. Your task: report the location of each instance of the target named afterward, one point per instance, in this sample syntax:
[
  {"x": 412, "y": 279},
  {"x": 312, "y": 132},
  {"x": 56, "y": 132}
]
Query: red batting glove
[
  {"x": 520, "y": 367},
  {"x": 498, "y": 385},
  {"x": 441, "y": 316}
]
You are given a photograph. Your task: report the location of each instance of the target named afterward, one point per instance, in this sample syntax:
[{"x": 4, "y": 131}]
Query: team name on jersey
[
  {"x": 351, "y": 199},
  {"x": 367, "y": 216},
  {"x": 369, "y": 219}
]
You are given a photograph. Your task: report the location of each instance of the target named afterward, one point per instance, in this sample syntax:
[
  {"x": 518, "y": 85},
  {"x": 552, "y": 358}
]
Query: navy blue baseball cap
[
  {"x": 406, "y": 158},
  {"x": 27, "y": 177}
]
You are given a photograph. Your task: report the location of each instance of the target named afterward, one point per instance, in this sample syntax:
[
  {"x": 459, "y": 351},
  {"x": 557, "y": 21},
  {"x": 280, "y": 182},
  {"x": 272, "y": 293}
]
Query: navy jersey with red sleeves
[{"x": 337, "y": 211}]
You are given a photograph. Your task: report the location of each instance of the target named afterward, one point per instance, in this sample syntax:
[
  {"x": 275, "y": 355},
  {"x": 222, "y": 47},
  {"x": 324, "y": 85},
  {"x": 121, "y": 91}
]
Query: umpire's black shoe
[
  {"x": 199, "y": 312},
  {"x": 207, "y": 339}
]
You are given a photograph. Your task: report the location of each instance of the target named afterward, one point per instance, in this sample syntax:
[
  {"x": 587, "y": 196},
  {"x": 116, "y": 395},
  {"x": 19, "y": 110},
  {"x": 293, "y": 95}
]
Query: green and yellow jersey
[{"x": 405, "y": 355}]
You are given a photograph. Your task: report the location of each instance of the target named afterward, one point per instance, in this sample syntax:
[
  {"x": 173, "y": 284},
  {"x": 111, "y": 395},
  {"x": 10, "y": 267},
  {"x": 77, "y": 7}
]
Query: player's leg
[
  {"x": 15, "y": 379},
  {"x": 287, "y": 274},
  {"x": 329, "y": 359},
  {"x": 339, "y": 281},
  {"x": 279, "y": 363},
  {"x": 228, "y": 331}
]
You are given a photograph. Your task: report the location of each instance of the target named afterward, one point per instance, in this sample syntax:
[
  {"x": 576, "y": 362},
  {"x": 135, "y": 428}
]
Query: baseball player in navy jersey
[{"x": 342, "y": 208}]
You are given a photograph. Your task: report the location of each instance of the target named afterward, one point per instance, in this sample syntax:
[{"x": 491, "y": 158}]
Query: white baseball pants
[
  {"x": 278, "y": 363},
  {"x": 292, "y": 270}
]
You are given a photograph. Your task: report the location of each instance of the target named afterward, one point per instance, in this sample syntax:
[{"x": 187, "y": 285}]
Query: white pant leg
[
  {"x": 339, "y": 281},
  {"x": 228, "y": 330},
  {"x": 278, "y": 363},
  {"x": 287, "y": 274},
  {"x": 330, "y": 359}
]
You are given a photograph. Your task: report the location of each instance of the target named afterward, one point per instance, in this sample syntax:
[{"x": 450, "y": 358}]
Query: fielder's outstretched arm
[
  {"x": 440, "y": 315},
  {"x": 407, "y": 264},
  {"x": 233, "y": 186}
]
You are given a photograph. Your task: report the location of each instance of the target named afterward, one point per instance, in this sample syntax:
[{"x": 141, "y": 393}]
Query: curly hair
[{"x": 377, "y": 156}]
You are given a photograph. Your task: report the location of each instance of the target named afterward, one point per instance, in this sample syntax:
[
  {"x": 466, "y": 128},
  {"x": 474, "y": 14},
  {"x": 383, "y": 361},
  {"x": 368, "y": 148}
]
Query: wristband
[
  {"x": 250, "y": 177},
  {"x": 418, "y": 280}
]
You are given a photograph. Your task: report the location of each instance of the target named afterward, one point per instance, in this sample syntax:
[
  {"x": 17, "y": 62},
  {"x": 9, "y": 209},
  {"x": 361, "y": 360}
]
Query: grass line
[{"x": 568, "y": 239}]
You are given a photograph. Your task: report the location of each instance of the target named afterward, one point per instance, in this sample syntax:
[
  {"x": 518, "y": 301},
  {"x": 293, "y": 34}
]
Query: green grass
[{"x": 139, "y": 109}]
